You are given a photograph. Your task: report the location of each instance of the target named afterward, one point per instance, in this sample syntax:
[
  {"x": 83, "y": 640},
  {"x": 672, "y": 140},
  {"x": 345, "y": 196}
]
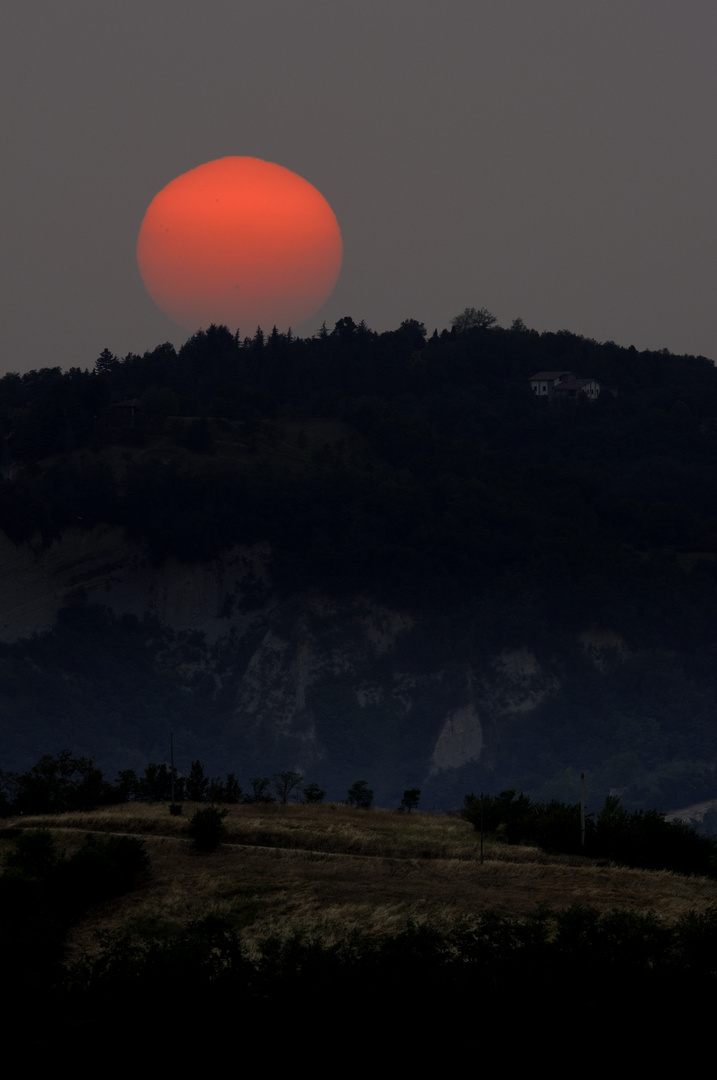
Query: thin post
[
  {"x": 582, "y": 809},
  {"x": 481, "y": 828},
  {"x": 171, "y": 761}
]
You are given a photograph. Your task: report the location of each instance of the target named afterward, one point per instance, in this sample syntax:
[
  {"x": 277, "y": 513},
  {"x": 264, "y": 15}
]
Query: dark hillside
[{"x": 423, "y": 474}]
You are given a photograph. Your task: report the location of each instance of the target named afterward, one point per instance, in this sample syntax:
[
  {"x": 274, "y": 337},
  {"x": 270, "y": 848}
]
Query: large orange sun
[{"x": 239, "y": 242}]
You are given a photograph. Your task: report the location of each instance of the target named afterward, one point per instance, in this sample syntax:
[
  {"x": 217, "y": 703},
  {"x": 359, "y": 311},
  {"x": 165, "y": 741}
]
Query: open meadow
[{"x": 331, "y": 869}]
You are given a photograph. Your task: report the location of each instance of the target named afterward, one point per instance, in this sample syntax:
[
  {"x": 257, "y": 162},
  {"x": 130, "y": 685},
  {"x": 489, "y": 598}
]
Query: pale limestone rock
[
  {"x": 103, "y": 567},
  {"x": 460, "y": 740}
]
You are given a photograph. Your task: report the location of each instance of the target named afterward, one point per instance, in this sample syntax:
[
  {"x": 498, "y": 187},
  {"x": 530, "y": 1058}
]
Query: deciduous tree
[
  {"x": 473, "y": 319},
  {"x": 360, "y": 795},
  {"x": 285, "y": 783},
  {"x": 259, "y": 790},
  {"x": 410, "y": 799}
]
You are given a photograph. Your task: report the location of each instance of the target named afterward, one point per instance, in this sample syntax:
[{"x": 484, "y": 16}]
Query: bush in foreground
[
  {"x": 460, "y": 972},
  {"x": 207, "y": 828}
]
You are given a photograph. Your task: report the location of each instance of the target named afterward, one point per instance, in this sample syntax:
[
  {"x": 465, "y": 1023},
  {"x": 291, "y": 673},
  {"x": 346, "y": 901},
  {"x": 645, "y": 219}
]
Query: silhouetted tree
[
  {"x": 360, "y": 795},
  {"x": 473, "y": 319},
  {"x": 410, "y": 799},
  {"x": 259, "y": 791},
  {"x": 196, "y": 785},
  {"x": 156, "y": 784},
  {"x": 60, "y": 783},
  {"x": 285, "y": 783},
  {"x": 313, "y": 793},
  {"x": 232, "y": 791}
]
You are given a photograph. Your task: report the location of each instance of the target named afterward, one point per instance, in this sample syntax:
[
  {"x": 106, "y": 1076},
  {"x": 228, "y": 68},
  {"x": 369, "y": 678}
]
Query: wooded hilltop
[{"x": 362, "y": 554}]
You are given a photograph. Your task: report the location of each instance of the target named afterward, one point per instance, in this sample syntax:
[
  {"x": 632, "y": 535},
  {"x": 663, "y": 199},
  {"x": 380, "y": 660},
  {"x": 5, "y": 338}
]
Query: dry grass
[{"x": 332, "y": 869}]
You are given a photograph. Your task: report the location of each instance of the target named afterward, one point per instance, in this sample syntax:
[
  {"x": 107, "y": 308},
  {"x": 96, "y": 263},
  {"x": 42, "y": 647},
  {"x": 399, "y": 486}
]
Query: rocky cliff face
[
  {"x": 318, "y": 682},
  {"x": 103, "y": 567}
]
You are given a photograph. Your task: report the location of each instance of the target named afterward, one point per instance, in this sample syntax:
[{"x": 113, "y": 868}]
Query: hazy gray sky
[{"x": 548, "y": 159}]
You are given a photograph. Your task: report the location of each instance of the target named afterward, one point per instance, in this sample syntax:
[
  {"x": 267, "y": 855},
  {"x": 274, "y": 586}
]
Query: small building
[
  {"x": 564, "y": 386},
  {"x": 571, "y": 388},
  {"x": 543, "y": 384}
]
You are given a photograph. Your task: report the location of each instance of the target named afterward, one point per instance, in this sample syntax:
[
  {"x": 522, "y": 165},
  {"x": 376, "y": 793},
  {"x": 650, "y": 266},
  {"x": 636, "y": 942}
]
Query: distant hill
[{"x": 367, "y": 554}]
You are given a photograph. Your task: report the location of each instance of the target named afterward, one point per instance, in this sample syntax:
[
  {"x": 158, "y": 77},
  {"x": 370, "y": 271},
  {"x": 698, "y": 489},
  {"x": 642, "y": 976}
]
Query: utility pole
[
  {"x": 174, "y": 808},
  {"x": 582, "y": 809},
  {"x": 171, "y": 761}
]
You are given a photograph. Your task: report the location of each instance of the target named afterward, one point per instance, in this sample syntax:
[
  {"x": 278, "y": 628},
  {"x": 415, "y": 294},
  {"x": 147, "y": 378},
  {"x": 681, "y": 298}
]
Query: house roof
[
  {"x": 573, "y": 384},
  {"x": 548, "y": 376}
]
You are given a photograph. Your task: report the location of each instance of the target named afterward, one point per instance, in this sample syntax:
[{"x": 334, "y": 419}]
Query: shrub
[
  {"x": 313, "y": 793},
  {"x": 207, "y": 828},
  {"x": 34, "y": 856}
]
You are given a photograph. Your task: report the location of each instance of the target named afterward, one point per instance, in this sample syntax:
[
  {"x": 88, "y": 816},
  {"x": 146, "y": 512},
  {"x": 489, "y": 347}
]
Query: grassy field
[{"x": 332, "y": 869}]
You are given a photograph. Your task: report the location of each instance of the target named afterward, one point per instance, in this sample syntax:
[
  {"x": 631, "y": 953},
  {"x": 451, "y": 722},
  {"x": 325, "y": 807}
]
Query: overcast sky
[{"x": 548, "y": 159}]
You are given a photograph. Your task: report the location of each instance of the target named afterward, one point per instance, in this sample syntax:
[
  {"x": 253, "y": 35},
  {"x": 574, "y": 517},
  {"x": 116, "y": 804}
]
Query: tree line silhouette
[{"x": 62, "y": 783}]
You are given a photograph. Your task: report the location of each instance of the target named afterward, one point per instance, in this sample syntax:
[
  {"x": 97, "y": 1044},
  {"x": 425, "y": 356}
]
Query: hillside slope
[{"x": 367, "y": 555}]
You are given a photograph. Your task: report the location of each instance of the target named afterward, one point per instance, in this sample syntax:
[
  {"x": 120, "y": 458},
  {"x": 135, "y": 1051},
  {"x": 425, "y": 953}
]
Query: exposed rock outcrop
[
  {"x": 103, "y": 567},
  {"x": 317, "y": 679}
]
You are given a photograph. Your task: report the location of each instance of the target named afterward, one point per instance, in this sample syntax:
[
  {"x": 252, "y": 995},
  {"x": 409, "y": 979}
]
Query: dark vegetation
[
  {"x": 575, "y": 964},
  {"x": 642, "y": 838},
  {"x": 360, "y": 795},
  {"x": 447, "y": 489},
  {"x": 43, "y": 892},
  {"x": 207, "y": 828},
  {"x": 466, "y": 488},
  {"x": 63, "y": 783},
  {"x": 570, "y": 963}
]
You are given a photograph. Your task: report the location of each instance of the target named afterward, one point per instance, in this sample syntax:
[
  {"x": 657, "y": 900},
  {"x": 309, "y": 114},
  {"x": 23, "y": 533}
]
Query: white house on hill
[
  {"x": 543, "y": 384},
  {"x": 563, "y": 385}
]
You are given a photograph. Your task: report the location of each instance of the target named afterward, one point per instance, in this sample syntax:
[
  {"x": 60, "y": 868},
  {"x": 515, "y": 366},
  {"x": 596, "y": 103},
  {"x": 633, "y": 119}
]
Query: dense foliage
[
  {"x": 568, "y": 965},
  {"x": 43, "y": 892},
  {"x": 207, "y": 828},
  {"x": 641, "y": 838},
  {"x": 466, "y": 489}
]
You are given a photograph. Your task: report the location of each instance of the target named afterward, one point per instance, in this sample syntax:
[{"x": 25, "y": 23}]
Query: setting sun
[{"x": 242, "y": 242}]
